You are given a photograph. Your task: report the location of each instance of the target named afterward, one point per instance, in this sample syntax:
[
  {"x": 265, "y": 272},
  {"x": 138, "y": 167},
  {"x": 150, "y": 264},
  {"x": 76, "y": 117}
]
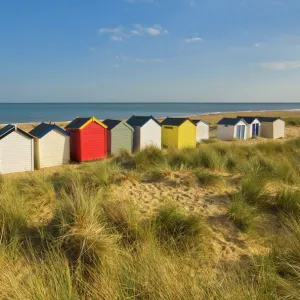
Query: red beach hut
[{"x": 87, "y": 139}]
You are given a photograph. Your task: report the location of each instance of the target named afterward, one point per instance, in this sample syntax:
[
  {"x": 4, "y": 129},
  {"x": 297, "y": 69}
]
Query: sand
[
  {"x": 210, "y": 118},
  {"x": 228, "y": 243}
]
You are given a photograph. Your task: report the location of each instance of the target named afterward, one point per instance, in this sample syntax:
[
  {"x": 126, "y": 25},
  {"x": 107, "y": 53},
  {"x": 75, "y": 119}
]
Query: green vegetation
[
  {"x": 67, "y": 235},
  {"x": 241, "y": 212},
  {"x": 292, "y": 121},
  {"x": 207, "y": 179}
]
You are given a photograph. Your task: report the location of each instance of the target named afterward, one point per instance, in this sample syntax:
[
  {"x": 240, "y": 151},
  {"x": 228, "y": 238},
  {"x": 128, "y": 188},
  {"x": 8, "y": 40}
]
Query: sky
[{"x": 149, "y": 50}]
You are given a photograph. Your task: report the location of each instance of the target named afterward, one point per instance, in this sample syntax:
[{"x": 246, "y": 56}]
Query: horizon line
[{"x": 154, "y": 102}]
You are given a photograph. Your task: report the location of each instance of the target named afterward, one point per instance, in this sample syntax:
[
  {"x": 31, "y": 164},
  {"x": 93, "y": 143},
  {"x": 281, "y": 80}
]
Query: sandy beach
[{"x": 212, "y": 119}]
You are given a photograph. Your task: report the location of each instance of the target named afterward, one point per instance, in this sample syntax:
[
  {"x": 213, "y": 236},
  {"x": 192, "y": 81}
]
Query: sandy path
[{"x": 228, "y": 243}]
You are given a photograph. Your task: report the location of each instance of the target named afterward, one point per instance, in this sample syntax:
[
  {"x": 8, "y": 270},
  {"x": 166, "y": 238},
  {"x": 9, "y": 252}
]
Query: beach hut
[
  {"x": 231, "y": 128},
  {"x": 178, "y": 133},
  {"x": 119, "y": 136},
  {"x": 16, "y": 150},
  {"x": 88, "y": 139},
  {"x": 202, "y": 130},
  {"x": 253, "y": 127},
  {"x": 51, "y": 146},
  {"x": 273, "y": 128},
  {"x": 147, "y": 132}
]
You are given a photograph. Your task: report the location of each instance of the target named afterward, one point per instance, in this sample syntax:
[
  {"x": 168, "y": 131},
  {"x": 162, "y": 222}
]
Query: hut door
[
  {"x": 240, "y": 131},
  {"x": 255, "y": 129}
]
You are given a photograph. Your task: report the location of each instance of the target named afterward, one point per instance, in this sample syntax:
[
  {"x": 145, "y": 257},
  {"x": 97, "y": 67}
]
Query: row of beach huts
[{"x": 86, "y": 139}]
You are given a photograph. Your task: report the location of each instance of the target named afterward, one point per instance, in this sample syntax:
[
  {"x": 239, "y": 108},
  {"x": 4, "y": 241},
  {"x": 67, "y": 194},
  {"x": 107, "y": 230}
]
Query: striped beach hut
[
  {"x": 88, "y": 139},
  {"x": 16, "y": 150},
  {"x": 253, "y": 128},
  {"x": 147, "y": 132},
  {"x": 51, "y": 146},
  {"x": 178, "y": 133},
  {"x": 119, "y": 136}
]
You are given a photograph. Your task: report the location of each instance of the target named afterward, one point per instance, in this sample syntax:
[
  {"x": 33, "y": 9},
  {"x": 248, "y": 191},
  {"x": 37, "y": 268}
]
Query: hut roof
[
  {"x": 80, "y": 123},
  {"x": 10, "y": 128},
  {"x": 175, "y": 121},
  {"x": 197, "y": 121},
  {"x": 44, "y": 128},
  {"x": 230, "y": 121},
  {"x": 110, "y": 123},
  {"x": 249, "y": 120},
  {"x": 268, "y": 119},
  {"x": 140, "y": 120}
]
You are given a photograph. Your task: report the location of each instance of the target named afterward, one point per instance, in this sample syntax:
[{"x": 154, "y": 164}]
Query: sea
[{"x": 37, "y": 112}]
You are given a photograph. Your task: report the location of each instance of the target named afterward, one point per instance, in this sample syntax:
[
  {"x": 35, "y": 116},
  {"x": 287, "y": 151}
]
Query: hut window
[
  {"x": 226, "y": 125},
  {"x": 168, "y": 127}
]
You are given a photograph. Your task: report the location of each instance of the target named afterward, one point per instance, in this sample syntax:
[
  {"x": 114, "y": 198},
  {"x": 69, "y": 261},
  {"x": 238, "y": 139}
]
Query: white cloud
[
  {"x": 120, "y": 33},
  {"x": 116, "y": 38},
  {"x": 154, "y": 30},
  {"x": 116, "y": 30},
  {"x": 281, "y": 65},
  {"x": 193, "y": 40},
  {"x": 116, "y": 66}
]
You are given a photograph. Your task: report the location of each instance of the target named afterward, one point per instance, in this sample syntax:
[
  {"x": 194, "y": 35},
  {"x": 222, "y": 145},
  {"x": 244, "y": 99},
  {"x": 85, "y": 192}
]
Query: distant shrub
[{"x": 292, "y": 121}]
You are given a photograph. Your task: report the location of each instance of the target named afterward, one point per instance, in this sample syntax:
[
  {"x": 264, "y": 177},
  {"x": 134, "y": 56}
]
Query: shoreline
[{"x": 211, "y": 117}]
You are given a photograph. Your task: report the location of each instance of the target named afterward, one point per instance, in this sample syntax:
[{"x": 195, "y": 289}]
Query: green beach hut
[{"x": 119, "y": 136}]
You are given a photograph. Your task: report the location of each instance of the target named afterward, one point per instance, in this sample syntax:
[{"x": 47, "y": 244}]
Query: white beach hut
[
  {"x": 231, "y": 128},
  {"x": 16, "y": 150},
  {"x": 253, "y": 127},
  {"x": 147, "y": 132},
  {"x": 51, "y": 145},
  {"x": 273, "y": 128},
  {"x": 202, "y": 130}
]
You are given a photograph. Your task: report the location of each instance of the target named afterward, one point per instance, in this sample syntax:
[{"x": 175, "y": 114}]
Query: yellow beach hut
[{"x": 178, "y": 133}]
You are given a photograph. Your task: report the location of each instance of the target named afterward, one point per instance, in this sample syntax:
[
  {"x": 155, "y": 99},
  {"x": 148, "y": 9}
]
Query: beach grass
[{"x": 89, "y": 232}]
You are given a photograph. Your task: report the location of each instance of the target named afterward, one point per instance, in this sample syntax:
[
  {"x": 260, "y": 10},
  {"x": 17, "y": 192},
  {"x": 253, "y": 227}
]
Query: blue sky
[{"x": 149, "y": 50}]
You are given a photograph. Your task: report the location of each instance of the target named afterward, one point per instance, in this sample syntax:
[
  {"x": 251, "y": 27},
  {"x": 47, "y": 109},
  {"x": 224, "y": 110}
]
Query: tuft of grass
[
  {"x": 288, "y": 201},
  {"x": 208, "y": 179},
  {"x": 210, "y": 158},
  {"x": 178, "y": 229},
  {"x": 82, "y": 233},
  {"x": 241, "y": 213},
  {"x": 100, "y": 174},
  {"x": 155, "y": 175},
  {"x": 149, "y": 157},
  {"x": 124, "y": 220}
]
